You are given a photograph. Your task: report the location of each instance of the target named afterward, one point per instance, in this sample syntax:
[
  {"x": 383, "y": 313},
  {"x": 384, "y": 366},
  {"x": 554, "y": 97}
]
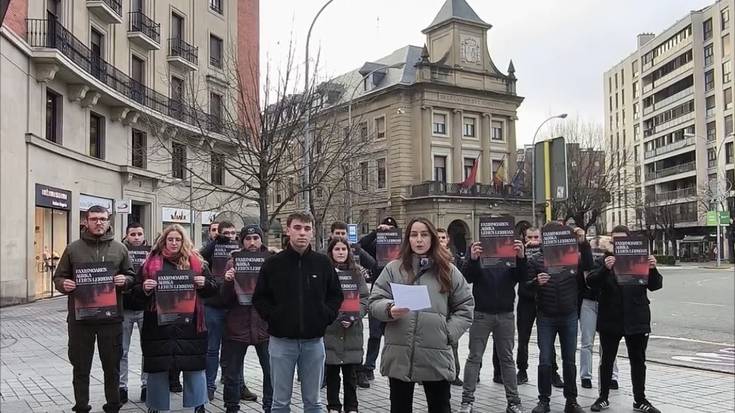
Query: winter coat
[
  {"x": 174, "y": 346},
  {"x": 418, "y": 346},
  {"x": 345, "y": 345},
  {"x": 494, "y": 288},
  {"x": 298, "y": 295},
  {"x": 625, "y": 309},
  {"x": 90, "y": 249}
]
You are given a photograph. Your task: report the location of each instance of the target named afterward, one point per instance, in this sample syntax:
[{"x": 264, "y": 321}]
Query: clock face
[{"x": 470, "y": 50}]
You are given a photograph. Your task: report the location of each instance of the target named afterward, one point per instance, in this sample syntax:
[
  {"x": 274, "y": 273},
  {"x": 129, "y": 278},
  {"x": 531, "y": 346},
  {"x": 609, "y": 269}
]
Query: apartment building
[
  {"x": 107, "y": 102},
  {"x": 669, "y": 129}
]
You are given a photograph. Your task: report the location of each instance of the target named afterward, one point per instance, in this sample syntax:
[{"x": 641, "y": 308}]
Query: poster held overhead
[{"x": 387, "y": 246}]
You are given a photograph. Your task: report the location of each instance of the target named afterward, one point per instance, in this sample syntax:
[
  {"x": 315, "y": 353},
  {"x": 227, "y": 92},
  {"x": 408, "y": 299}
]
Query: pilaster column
[{"x": 457, "y": 158}]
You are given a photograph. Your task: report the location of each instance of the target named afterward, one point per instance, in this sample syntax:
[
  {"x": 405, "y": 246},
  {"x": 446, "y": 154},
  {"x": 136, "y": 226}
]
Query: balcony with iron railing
[
  {"x": 661, "y": 127},
  {"x": 669, "y": 100},
  {"x": 143, "y": 31},
  {"x": 673, "y": 170},
  {"x": 677, "y": 194},
  {"x": 182, "y": 54},
  {"x": 439, "y": 188},
  {"x": 109, "y": 11},
  {"x": 669, "y": 148}
]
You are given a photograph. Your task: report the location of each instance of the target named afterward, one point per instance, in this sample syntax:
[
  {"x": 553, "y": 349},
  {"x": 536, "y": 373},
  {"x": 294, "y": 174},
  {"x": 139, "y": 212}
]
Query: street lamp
[
  {"x": 307, "y": 137},
  {"x": 533, "y": 164}
]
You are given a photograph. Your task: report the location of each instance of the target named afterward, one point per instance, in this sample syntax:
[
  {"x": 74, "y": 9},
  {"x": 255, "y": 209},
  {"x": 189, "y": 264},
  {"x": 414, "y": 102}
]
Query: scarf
[{"x": 154, "y": 264}]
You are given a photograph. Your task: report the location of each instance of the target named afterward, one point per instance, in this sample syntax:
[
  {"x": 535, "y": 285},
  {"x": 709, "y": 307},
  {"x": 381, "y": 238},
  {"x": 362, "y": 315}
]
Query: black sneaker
[
  {"x": 457, "y": 382},
  {"x": 370, "y": 375},
  {"x": 210, "y": 394},
  {"x": 247, "y": 395},
  {"x": 541, "y": 407},
  {"x": 362, "y": 380},
  {"x": 522, "y": 377},
  {"x": 200, "y": 409},
  {"x": 614, "y": 385},
  {"x": 152, "y": 411},
  {"x": 123, "y": 395},
  {"x": 572, "y": 407},
  {"x": 599, "y": 405},
  {"x": 645, "y": 406},
  {"x": 556, "y": 381},
  {"x": 587, "y": 383},
  {"x": 143, "y": 393},
  {"x": 175, "y": 386}
]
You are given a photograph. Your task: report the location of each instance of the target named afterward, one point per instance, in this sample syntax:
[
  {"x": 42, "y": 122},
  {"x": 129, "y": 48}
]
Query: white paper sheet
[{"x": 413, "y": 297}]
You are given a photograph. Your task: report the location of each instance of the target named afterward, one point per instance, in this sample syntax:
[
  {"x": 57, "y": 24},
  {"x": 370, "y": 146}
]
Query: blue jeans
[
  {"x": 377, "y": 328},
  {"x": 215, "y": 320},
  {"x": 285, "y": 355},
  {"x": 547, "y": 329},
  {"x": 195, "y": 390}
]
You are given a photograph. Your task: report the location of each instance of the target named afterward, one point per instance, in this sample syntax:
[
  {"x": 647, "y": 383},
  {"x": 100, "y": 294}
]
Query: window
[
  {"x": 215, "y": 112},
  {"x": 176, "y": 104},
  {"x": 440, "y": 123},
  {"x": 218, "y": 168},
  {"x": 215, "y": 51},
  {"x": 364, "y": 176},
  {"x": 381, "y": 173},
  {"x": 468, "y": 128},
  {"x": 725, "y": 18},
  {"x": 140, "y": 149},
  {"x": 380, "y": 127},
  {"x": 137, "y": 73},
  {"x": 96, "y": 135},
  {"x": 728, "y": 153},
  {"x": 468, "y": 164},
  {"x": 279, "y": 192},
  {"x": 440, "y": 168},
  {"x": 636, "y": 90},
  {"x": 711, "y": 158},
  {"x": 711, "y": 131},
  {"x": 726, "y": 45},
  {"x": 177, "y": 27},
  {"x": 178, "y": 160},
  {"x": 728, "y": 98},
  {"x": 707, "y": 29},
  {"x": 728, "y": 125},
  {"x": 709, "y": 80},
  {"x": 96, "y": 44},
  {"x": 709, "y": 104},
  {"x": 709, "y": 52},
  {"x": 622, "y": 97},
  {"x": 636, "y": 132},
  {"x": 634, "y": 68},
  {"x": 216, "y": 5},
  {"x": 497, "y": 131},
  {"x": 363, "y": 132},
  {"x": 636, "y": 113},
  {"x": 53, "y": 116}
]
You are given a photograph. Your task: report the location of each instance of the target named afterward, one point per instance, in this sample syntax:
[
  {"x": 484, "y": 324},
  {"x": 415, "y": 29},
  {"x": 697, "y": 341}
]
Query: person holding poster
[
  {"x": 418, "y": 344},
  {"x": 96, "y": 252},
  {"x": 243, "y": 325},
  {"x": 138, "y": 250},
  {"x": 556, "y": 275},
  {"x": 180, "y": 343},
  {"x": 343, "y": 339},
  {"x": 623, "y": 312}
]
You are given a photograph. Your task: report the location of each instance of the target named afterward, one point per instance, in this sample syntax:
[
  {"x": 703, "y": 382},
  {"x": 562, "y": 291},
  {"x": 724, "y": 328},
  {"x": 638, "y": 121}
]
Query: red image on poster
[
  {"x": 631, "y": 260},
  {"x": 387, "y": 246},
  {"x": 559, "y": 246},
  {"x": 95, "y": 297},
  {"x": 247, "y": 267},
  {"x": 175, "y": 296}
]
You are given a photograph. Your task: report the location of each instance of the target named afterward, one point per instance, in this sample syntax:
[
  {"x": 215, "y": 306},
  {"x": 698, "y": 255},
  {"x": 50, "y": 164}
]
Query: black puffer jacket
[
  {"x": 175, "y": 346},
  {"x": 494, "y": 289},
  {"x": 625, "y": 309}
]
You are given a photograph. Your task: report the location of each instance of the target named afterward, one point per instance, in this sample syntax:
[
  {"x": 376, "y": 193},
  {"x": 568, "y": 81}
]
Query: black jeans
[
  {"x": 547, "y": 329},
  {"x": 525, "y": 317},
  {"x": 437, "y": 396},
  {"x": 373, "y": 345},
  {"x": 349, "y": 378},
  {"x": 235, "y": 352},
  {"x": 637, "y": 345},
  {"x": 81, "y": 351}
]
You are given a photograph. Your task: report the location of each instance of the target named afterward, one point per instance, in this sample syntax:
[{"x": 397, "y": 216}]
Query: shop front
[
  {"x": 88, "y": 201},
  {"x": 178, "y": 216},
  {"x": 51, "y": 235}
]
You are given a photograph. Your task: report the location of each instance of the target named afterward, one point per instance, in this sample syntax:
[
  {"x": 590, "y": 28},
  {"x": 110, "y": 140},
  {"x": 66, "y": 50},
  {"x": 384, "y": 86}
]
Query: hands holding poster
[
  {"x": 497, "y": 236},
  {"x": 350, "y": 308},
  {"x": 631, "y": 260}
]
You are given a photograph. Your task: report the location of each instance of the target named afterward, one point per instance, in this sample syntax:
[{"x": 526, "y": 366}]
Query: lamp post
[
  {"x": 533, "y": 164},
  {"x": 307, "y": 134}
]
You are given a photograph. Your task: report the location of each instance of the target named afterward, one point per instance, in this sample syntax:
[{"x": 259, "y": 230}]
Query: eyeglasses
[{"x": 98, "y": 219}]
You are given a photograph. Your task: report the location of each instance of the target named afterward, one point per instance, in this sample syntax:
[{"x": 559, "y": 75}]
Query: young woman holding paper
[
  {"x": 179, "y": 346},
  {"x": 343, "y": 339},
  {"x": 418, "y": 344}
]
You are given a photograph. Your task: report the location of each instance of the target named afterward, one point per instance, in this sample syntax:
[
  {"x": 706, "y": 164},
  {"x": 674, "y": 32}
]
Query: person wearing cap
[
  {"x": 243, "y": 328},
  {"x": 368, "y": 244}
]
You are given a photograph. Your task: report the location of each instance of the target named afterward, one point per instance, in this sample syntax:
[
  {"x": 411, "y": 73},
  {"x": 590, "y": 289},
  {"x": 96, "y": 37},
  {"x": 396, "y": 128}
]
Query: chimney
[{"x": 644, "y": 38}]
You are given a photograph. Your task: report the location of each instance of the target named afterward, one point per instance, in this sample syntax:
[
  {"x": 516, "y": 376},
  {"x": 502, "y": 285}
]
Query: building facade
[
  {"x": 106, "y": 102},
  {"x": 669, "y": 130},
  {"x": 428, "y": 114}
]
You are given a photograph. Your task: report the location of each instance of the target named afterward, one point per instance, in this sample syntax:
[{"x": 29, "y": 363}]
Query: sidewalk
[{"x": 36, "y": 376}]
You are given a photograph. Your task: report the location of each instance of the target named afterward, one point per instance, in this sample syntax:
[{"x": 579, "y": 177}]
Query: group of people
[{"x": 299, "y": 326}]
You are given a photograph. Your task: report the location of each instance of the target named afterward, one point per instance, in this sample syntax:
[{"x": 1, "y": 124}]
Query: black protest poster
[
  {"x": 497, "y": 237},
  {"x": 95, "y": 297},
  {"x": 560, "y": 247},
  {"x": 138, "y": 255},
  {"x": 247, "y": 267},
  {"x": 631, "y": 260},
  {"x": 350, "y": 308},
  {"x": 175, "y": 296},
  {"x": 220, "y": 256},
  {"x": 387, "y": 246}
]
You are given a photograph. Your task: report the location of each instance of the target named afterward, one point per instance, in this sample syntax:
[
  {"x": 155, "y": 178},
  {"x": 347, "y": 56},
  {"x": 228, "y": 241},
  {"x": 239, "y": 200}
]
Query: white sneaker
[{"x": 465, "y": 408}]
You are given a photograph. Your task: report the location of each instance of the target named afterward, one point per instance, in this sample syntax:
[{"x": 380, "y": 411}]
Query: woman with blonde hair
[{"x": 181, "y": 346}]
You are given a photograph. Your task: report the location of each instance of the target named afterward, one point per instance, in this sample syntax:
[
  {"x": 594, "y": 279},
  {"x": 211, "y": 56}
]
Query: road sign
[
  {"x": 550, "y": 158},
  {"x": 711, "y": 218},
  {"x": 352, "y": 233}
]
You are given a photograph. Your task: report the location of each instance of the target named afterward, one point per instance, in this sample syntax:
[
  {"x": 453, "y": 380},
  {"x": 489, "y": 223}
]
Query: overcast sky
[{"x": 560, "y": 49}]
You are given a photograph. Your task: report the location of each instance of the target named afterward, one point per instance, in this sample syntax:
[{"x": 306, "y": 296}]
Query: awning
[{"x": 694, "y": 238}]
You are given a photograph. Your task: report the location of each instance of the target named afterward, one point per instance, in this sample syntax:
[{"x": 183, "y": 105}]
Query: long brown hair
[
  {"x": 351, "y": 265},
  {"x": 441, "y": 259},
  {"x": 187, "y": 247}
]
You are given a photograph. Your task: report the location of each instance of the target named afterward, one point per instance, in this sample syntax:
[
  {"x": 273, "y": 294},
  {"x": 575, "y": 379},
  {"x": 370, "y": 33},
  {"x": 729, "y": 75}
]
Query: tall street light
[
  {"x": 533, "y": 164},
  {"x": 307, "y": 137}
]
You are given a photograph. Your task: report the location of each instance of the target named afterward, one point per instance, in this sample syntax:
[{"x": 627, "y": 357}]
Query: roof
[{"x": 456, "y": 10}]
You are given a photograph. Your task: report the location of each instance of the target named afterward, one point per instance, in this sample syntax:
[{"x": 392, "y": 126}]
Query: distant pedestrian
[{"x": 418, "y": 344}]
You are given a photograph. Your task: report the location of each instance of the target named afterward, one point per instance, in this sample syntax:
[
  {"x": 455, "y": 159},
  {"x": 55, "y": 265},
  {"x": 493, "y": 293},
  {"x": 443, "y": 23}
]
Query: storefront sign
[
  {"x": 177, "y": 215},
  {"x": 123, "y": 206},
  {"x": 88, "y": 201},
  {"x": 208, "y": 217},
  {"x": 50, "y": 197}
]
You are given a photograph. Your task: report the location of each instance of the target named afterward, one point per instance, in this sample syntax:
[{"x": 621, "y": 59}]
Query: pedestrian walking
[
  {"x": 298, "y": 294},
  {"x": 96, "y": 245},
  {"x": 418, "y": 344},
  {"x": 623, "y": 312},
  {"x": 179, "y": 347}
]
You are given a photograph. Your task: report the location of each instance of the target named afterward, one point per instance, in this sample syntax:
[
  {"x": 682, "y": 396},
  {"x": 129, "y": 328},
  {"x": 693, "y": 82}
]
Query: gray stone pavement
[{"x": 36, "y": 376}]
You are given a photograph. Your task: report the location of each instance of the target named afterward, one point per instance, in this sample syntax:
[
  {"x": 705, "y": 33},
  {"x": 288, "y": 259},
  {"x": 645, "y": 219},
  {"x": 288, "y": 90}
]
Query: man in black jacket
[
  {"x": 623, "y": 312},
  {"x": 556, "y": 304},
  {"x": 494, "y": 292},
  {"x": 298, "y": 294}
]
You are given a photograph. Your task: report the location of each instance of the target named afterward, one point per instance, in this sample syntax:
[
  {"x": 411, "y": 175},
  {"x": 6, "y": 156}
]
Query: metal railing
[
  {"x": 673, "y": 170},
  {"x": 139, "y": 22},
  {"x": 432, "y": 188},
  {"x": 669, "y": 148},
  {"x": 115, "y": 5},
  {"x": 677, "y": 194},
  {"x": 216, "y": 5},
  {"x": 178, "y": 47}
]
